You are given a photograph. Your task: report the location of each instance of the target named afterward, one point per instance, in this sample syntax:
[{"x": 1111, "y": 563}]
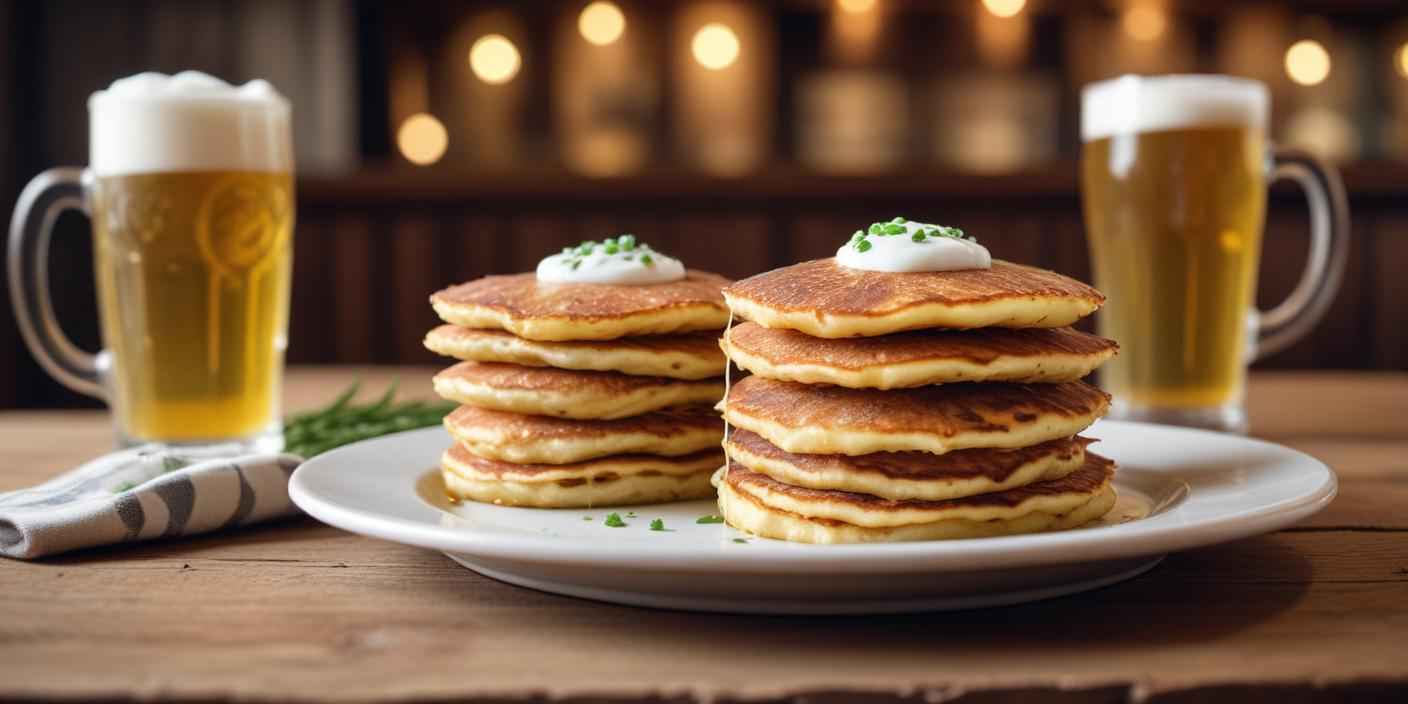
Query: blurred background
[{"x": 440, "y": 141}]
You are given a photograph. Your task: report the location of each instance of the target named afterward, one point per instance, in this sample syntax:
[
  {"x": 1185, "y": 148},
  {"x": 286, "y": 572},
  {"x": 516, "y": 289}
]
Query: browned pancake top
[
  {"x": 983, "y": 345},
  {"x": 1089, "y": 479},
  {"x": 824, "y": 286},
  {"x": 699, "y": 344},
  {"x": 463, "y": 456},
  {"x": 523, "y": 296},
  {"x": 517, "y": 427},
  {"x": 993, "y": 463},
  {"x": 945, "y": 410},
  {"x": 513, "y": 377}
]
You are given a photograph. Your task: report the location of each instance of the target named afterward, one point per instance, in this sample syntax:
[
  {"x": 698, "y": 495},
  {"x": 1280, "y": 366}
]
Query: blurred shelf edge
[{"x": 401, "y": 186}]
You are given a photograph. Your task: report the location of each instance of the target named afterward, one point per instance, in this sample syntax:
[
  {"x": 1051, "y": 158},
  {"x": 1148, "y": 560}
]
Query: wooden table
[{"x": 300, "y": 611}]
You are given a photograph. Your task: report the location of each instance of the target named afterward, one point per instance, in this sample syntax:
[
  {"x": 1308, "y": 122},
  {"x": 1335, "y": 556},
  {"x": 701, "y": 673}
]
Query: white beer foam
[
  {"x": 1131, "y": 104},
  {"x": 152, "y": 122}
]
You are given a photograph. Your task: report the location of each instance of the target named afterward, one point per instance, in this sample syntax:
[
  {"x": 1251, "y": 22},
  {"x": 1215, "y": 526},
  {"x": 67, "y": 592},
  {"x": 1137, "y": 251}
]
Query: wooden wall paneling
[
  {"x": 1344, "y": 338},
  {"x": 314, "y": 303},
  {"x": 472, "y": 246},
  {"x": 352, "y": 295},
  {"x": 535, "y": 236},
  {"x": 1064, "y": 250},
  {"x": 9, "y": 190},
  {"x": 414, "y": 266},
  {"x": 735, "y": 246},
  {"x": 815, "y": 236},
  {"x": 191, "y": 34},
  {"x": 1390, "y": 310},
  {"x": 1283, "y": 250}
]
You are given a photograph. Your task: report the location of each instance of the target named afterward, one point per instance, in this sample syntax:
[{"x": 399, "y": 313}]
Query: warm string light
[
  {"x": 1307, "y": 62},
  {"x": 856, "y": 7},
  {"x": 1004, "y": 8},
  {"x": 422, "y": 139},
  {"x": 601, "y": 23},
  {"x": 494, "y": 59},
  {"x": 715, "y": 46},
  {"x": 1402, "y": 62},
  {"x": 1144, "y": 22}
]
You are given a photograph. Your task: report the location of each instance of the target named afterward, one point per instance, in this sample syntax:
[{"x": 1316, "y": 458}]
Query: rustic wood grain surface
[{"x": 298, "y": 611}]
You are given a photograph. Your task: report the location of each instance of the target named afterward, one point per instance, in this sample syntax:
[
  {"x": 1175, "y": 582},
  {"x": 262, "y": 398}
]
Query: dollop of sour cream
[
  {"x": 619, "y": 260},
  {"x": 905, "y": 245}
]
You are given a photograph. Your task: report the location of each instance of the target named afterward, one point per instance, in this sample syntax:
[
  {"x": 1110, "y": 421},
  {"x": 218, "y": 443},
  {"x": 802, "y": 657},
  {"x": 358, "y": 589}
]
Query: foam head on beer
[
  {"x": 1131, "y": 104},
  {"x": 190, "y": 121}
]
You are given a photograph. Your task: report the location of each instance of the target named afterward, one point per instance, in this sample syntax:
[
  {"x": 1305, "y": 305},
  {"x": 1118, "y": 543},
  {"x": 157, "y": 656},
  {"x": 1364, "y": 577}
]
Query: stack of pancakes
[
  {"x": 581, "y": 394},
  {"x": 911, "y": 406}
]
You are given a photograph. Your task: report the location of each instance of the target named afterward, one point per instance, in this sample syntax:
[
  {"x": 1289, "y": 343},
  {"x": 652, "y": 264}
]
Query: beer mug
[
  {"x": 1174, "y": 174},
  {"x": 189, "y": 189}
]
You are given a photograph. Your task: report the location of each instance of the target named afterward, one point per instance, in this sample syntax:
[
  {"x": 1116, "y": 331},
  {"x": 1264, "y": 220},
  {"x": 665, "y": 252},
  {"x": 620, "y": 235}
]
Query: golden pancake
[
  {"x": 754, "y": 503},
  {"x": 1055, "y": 497},
  {"x": 919, "y": 358},
  {"x": 906, "y": 476},
  {"x": 564, "y": 393},
  {"x": 685, "y": 356},
  {"x": 811, "y": 419},
  {"x": 608, "y": 481},
  {"x": 521, "y": 305},
  {"x": 512, "y": 437},
  {"x": 823, "y": 299}
]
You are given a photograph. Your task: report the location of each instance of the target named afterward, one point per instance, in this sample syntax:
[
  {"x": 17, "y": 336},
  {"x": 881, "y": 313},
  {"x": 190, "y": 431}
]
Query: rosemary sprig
[{"x": 343, "y": 421}]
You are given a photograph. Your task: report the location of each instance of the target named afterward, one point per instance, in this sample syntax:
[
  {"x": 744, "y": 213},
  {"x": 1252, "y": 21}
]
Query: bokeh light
[
  {"x": 856, "y": 7},
  {"x": 715, "y": 46},
  {"x": 494, "y": 59},
  {"x": 1307, "y": 62},
  {"x": 1402, "y": 59},
  {"x": 422, "y": 139},
  {"x": 601, "y": 23},
  {"x": 1004, "y": 8},
  {"x": 1144, "y": 22}
]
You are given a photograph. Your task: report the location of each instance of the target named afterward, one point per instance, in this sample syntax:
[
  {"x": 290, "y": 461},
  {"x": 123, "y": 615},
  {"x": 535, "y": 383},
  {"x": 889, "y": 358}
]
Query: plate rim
[{"x": 1134, "y": 539}]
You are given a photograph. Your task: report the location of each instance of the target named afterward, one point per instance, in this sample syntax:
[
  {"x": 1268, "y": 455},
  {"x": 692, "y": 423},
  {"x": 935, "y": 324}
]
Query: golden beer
[
  {"x": 1174, "y": 219},
  {"x": 193, "y": 272}
]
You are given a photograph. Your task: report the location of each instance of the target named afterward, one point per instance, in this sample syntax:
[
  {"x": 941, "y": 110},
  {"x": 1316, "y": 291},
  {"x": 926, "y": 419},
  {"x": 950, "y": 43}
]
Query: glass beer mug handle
[
  {"x": 1281, "y": 326},
  {"x": 39, "y": 206}
]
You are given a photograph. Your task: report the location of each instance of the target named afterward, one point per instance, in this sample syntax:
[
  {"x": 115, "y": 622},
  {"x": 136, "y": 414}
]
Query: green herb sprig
[
  {"x": 899, "y": 226},
  {"x": 626, "y": 244},
  {"x": 343, "y": 421}
]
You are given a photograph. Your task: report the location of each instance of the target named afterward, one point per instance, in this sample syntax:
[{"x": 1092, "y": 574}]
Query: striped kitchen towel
[{"x": 145, "y": 492}]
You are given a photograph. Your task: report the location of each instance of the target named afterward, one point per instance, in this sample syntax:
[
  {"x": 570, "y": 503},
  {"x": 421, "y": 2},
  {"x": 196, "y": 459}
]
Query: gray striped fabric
[{"x": 142, "y": 493}]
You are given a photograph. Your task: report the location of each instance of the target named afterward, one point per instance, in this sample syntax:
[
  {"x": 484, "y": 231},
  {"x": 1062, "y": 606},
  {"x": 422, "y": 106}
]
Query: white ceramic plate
[{"x": 1179, "y": 489}]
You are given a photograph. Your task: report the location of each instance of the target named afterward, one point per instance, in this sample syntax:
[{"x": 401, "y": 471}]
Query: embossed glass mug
[
  {"x": 1174, "y": 174},
  {"x": 189, "y": 189}
]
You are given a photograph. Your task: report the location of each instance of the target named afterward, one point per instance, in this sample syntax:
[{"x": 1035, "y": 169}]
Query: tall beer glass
[
  {"x": 189, "y": 188},
  {"x": 1174, "y": 172}
]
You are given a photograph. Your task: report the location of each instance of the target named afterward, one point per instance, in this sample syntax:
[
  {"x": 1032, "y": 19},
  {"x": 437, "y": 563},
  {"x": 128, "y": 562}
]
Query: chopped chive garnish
[
  {"x": 893, "y": 229},
  {"x": 863, "y": 245},
  {"x": 647, "y": 260},
  {"x": 657, "y": 524},
  {"x": 613, "y": 520},
  {"x": 586, "y": 518},
  {"x": 576, "y": 265},
  {"x": 918, "y": 237},
  {"x": 627, "y": 242},
  {"x": 899, "y": 220},
  {"x": 709, "y": 519},
  {"x": 612, "y": 248},
  {"x": 876, "y": 229},
  {"x": 740, "y": 540}
]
